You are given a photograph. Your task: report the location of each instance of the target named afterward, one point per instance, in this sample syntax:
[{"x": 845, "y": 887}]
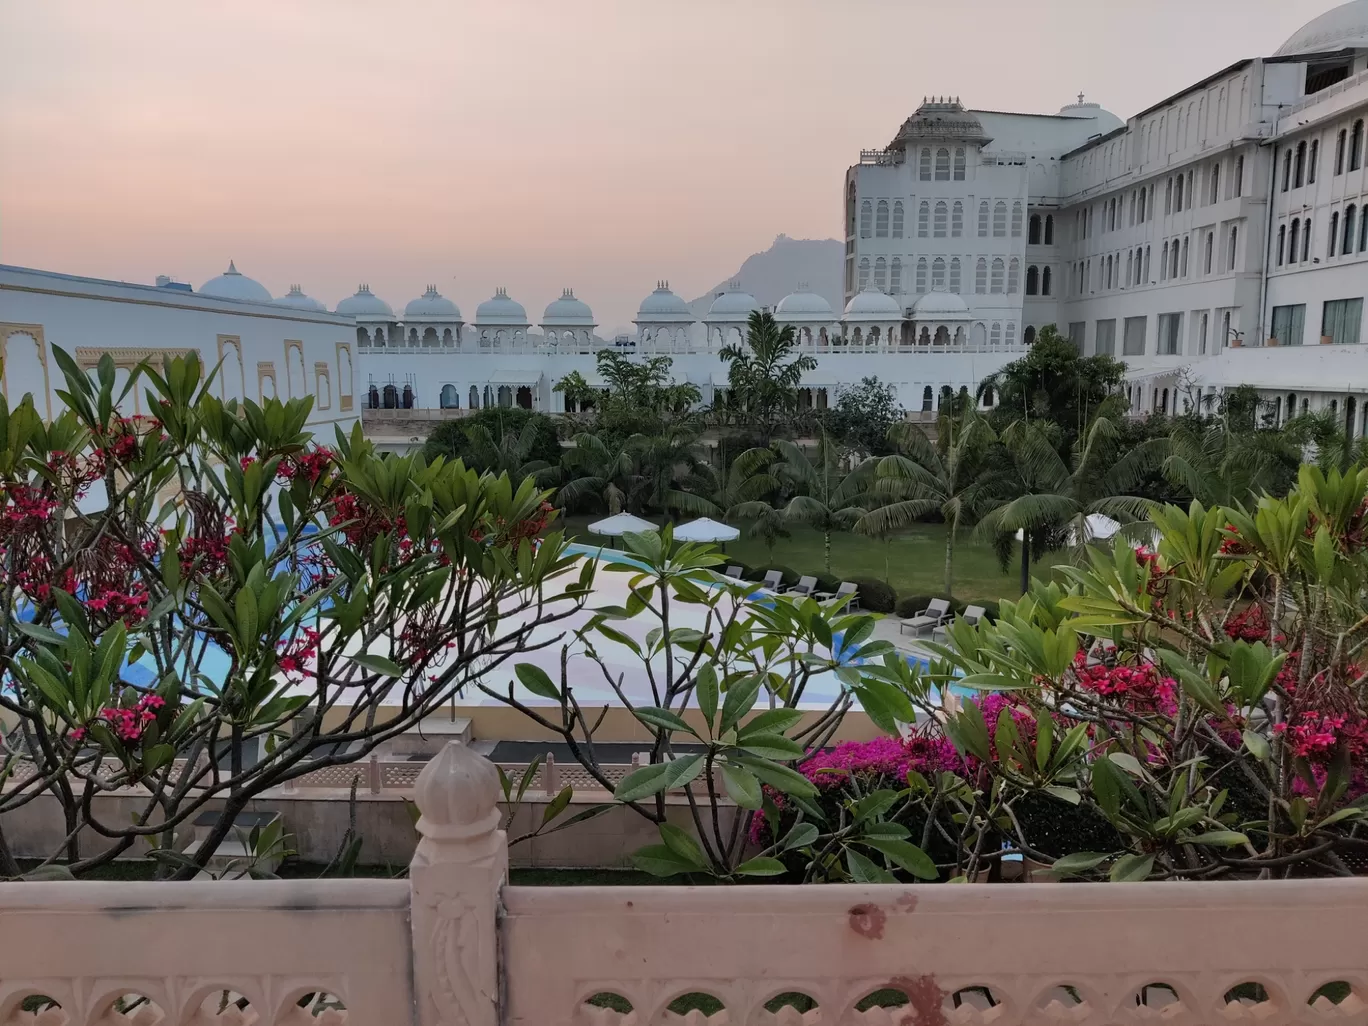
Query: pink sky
[{"x": 599, "y": 144}]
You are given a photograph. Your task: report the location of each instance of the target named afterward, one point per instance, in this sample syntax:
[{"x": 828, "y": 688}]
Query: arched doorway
[
  {"x": 525, "y": 397},
  {"x": 450, "y": 398},
  {"x": 505, "y": 397},
  {"x": 391, "y": 397}
]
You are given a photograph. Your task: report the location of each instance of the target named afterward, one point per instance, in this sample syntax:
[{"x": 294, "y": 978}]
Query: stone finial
[{"x": 458, "y": 794}]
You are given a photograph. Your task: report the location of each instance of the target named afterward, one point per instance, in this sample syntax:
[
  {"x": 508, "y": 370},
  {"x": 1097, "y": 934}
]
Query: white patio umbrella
[
  {"x": 705, "y": 529},
  {"x": 1096, "y": 527},
  {"x": 623, "y": 523}
]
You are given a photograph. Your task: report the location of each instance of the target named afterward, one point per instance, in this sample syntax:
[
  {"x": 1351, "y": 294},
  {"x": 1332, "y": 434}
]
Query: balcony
[{"x": 453, "y": 945}]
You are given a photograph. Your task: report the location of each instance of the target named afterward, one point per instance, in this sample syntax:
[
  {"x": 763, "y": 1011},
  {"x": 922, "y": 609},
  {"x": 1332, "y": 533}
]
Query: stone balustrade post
[
  {"x": 373, "y": 772},
  {"x": 549, "y": 776},
  {"x": 458, "y": 868}
]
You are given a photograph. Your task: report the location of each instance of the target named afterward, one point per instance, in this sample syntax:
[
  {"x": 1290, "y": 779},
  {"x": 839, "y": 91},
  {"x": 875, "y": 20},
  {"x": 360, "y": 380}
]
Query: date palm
[
  {"x": 600, "y": 473},
  {"x": 829, "y": 496},
  {"x": 1030, "y": 487},
  {"x": 762, "y": 378},
  {"x": 924, "y": 477}
]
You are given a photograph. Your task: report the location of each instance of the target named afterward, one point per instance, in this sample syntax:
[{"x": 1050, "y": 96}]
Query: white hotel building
[{"x": 1217, "y": 238}]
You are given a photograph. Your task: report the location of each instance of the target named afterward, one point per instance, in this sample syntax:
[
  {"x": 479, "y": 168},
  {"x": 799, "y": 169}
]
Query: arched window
[
  {"x": 1282, "y": 244},
  {"x": 1178, "y": 195},
  {"x": 941, "y": 220},
  {"x": 1130, "y": 268},
  {"x": 959, "y": 163},
  {"x": 1356, "y": 146},
  {"x": 1033, "y": 230},
  {"x": 1306, "y": 240},
  {"x": 1299, "y": 166},
  {"x": 897, "y": 219},
  {"x": 866, "y": 220},
  {"x": 1334, "y": 233},
  {"x": 1348, "y": 246},
  {"x": 1107, "y": 273},
  {"x": 926, "y": 399},
  {"x": 881, "y": 274},
  {"x": 957, "y": 220},
  {"x": 1000, "y": 220},
  {"x": 955, "y": 274},
  {"x": 983, "y": 220},
  {"x": 1362, "y": 246},
  {"x": 1341, "y": 141},
  {"x": 1168, "y": 195},
  {"x": 881, "y": 220},
  {"x": 864, "y": 272},
  {"x": 1045, "y": 283},
  {"x": 981, "y": 277},
  {"x": 1184, "y": 272},
  {"x": 1173, "y": 257},
  {"x": 921, "y": 274},
  {"x": 999, "y": 274},
  {"x": 1207, "y": 253},
  {"x": 474, "y": 397},
  {"x": 924, "y": 219},
  {"x": 1010, "y": 337},
  {"x": 1311, "y": 162},
  {"x": 1163, "y": 263},
  {"x": 450, "y": 398},
  {"x": 1293, "y": 239},
  {"x": 1145, "y": 274},
  {"x": 1144, "y": 193},
  {"x": 995, "y": 335},
  {"x": 1014, "y": 277},
  {"x": 1214, "y": 195},
  {"x": 1028, "y": 336},
  {"x": 895, "y": 277},
  {"x": 925, "y": 174},
  {"x": 938, "y": 273},
  {"x": 1033, "y": 280},
  {"x": 1016, "y": 219},
  {"x": 1049, "y": 229},
  {"x": 942, "y": 165},
  {"x": 1234, "y": 246},
  {"x": 1287, "y": 170}
]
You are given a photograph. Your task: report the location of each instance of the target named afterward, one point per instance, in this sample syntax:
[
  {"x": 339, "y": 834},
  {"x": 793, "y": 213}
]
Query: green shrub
[
  {"x": 875, "y": 596},
  {"x": 449, "y": 438},
  {"x": 828, "y": 584},
  {"x": 790, "y": 575}
]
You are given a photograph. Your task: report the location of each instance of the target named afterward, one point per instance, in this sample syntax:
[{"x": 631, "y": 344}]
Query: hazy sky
[{"x": 600, "y": 144}]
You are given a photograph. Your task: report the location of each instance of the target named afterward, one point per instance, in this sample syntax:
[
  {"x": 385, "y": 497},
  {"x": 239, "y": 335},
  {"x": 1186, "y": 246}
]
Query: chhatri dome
[
  {"x": 1337, "y": 29},
  {"x": 869, "y": 304},
  {"x": 942, "y": 119},
  {"x": 297, "y": 299},
  {"x": 432, "y": 306},
  {"x": 731, "y": 305},
  {"x": 364, "y": 304},
  {"x": 803, "y": 305},
  {"x": 1106, "y": 120},
  {"x": 940, "y": 305},
  {"x": 500, "y": 309},
  {"x": 233, "y": 284},
  {"x": 567, "y": 311},
  {"x": 664, "y": 305}
]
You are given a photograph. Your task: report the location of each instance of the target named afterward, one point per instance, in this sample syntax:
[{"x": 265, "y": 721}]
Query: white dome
[
  {"x": 870, "y": 304},
  {"x": 499, "y": 309},
  {"x": 1106, "y": 120},
  {"x": 297, "y": 299},
  {"x": 233, "y": 284},
  {"x": 1337, "y": 29},
  {"x": 732, "y": 305},
  {"x": 432, "y": 306},
  {"x": 803, "y": 305},
  {"x": 942, "y": 306},
  {"x": 664, "y": 305},
  {"x": 568, "y": 311},
  {"x": 364, "y": 304}
]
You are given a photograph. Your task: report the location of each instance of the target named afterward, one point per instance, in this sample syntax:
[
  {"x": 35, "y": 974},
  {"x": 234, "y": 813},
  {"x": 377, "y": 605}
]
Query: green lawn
[{"x": 913, "y": 561}]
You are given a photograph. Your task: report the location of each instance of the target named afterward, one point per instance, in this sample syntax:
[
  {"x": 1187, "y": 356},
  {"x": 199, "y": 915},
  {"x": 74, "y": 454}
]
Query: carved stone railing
[{"x": 453, "y": 946}]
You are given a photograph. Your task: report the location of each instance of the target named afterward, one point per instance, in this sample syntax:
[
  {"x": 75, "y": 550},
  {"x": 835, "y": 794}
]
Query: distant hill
[{"x": 773, "y": 274}]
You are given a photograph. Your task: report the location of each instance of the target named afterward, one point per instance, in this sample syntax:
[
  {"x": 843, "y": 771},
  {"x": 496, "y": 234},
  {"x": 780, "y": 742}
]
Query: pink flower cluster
[
  {"x": 1136, "y": 686},
  {"x": 293, "y": 656},
  {"x": 881, "y": 757},
  {"x": 127, "y": 724}
]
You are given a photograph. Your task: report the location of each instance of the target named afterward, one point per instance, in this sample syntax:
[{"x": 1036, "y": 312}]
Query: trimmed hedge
[{"x": 875, "y": 596}]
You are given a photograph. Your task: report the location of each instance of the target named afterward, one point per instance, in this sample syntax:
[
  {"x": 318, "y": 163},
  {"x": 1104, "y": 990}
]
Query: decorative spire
[
  {"x": 232, "y": 268},
  {"x": 1080, "y": 99}
]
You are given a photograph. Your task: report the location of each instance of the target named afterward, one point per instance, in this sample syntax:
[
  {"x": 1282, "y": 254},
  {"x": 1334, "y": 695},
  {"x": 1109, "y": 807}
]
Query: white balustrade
[{"x": 452, "y": 946}]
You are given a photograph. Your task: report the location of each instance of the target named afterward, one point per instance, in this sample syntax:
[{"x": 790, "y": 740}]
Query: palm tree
[
  {"x": 509, "y": 454},
  {"x": 1219, "y": 466},
  {"x": 926, "y": 477},
  {"x": 671, "y": 470},
  {"x": 829, "y": 497},
  {"x": 599, "y": 474},
  {"x": 1032, "y": 489},
  {"x": 759, "y": 378},
  {"x": 743, "y": 491}
]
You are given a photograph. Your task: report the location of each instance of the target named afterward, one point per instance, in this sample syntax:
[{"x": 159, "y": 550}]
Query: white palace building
[{"x": 1217, "y": 238}]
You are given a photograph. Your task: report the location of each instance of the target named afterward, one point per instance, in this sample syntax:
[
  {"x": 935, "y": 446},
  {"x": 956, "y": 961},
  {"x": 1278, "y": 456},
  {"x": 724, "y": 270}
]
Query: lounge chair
[
  {"x": 805, "y": 586},
  {"x": 935, "y": 614},
  {"x": 971, "y": 614},
  {"x": 847, "y": 589},
  {"x": 772, "y": 580},
  {"x": 734, "y": 572}
]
